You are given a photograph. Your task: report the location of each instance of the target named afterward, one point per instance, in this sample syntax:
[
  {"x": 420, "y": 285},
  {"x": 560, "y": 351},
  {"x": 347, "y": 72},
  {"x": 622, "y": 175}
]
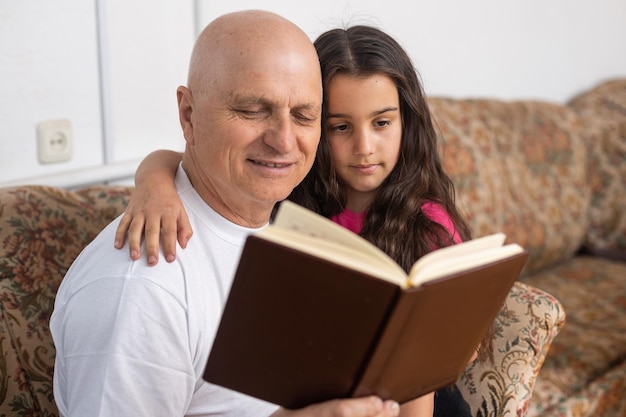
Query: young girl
[{"x": 377, "y": 170}]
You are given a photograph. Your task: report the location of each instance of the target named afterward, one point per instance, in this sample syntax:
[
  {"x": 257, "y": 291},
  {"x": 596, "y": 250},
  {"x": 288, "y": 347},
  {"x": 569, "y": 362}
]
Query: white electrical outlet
[{"x": 54, "y": 141}]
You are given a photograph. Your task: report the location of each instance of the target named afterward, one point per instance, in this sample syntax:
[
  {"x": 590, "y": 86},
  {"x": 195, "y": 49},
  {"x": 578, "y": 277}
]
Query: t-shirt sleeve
[
  {"x": 124, "y": 350},
  {"x": 438, "y": 214}
]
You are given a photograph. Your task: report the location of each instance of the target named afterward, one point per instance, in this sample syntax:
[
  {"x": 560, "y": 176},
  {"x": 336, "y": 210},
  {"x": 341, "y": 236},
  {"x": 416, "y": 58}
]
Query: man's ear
[{"x": 185, "y": 112}]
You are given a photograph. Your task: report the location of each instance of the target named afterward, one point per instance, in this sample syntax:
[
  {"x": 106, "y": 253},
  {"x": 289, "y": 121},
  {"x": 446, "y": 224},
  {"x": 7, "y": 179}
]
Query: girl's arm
[
  {"x": 155, "y": 209},
  {"x": 423, "y": 406}
]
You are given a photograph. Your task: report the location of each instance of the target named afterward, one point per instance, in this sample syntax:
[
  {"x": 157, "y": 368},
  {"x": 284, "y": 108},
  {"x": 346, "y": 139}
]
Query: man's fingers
[{"x": 354, "y": 407}]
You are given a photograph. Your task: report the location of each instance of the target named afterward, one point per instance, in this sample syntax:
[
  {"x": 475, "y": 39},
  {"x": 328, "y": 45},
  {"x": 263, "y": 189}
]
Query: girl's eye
[
  {"x": 339, "y": 128},
  {"x": 382, "y": 123}
]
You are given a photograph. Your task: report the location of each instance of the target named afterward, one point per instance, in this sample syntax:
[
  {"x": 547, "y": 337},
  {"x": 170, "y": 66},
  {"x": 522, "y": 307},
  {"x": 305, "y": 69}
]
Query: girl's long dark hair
[{"x": 395, "y": 221}]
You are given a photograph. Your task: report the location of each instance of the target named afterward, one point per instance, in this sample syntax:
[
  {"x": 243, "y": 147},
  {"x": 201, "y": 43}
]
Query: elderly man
[{"x": 133, "y": 340}]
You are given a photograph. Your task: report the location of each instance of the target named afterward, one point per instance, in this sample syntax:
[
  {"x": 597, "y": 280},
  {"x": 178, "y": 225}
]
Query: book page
[
  {"x": 335, "y": 252},
  {"x": 294, "y": 217},
  {"x": 467, "y": 261},
  {"x": 443, "y": 255},
  {"x": 470, "y": 246}
]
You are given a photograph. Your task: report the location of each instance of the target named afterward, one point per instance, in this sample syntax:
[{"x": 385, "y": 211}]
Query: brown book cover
[{"x": 298, "y": 329}]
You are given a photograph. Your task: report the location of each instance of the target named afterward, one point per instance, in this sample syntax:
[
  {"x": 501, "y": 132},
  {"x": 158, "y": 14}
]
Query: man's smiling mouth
[{"x": 271, "y": 165}]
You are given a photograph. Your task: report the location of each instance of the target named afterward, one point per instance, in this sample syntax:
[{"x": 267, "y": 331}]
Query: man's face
[{"x": 255, "y": 132}]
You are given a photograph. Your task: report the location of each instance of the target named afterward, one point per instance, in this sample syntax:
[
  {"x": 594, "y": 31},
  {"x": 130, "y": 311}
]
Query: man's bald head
[{"x": 242, "y": 40}]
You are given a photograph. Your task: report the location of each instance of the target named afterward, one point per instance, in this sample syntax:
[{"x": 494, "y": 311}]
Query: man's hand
[{"x": 354, "y": 407}]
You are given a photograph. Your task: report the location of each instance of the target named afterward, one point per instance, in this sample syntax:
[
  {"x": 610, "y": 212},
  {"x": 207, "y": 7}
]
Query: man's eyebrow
[
  {"x": 246, "y": 99},
  {"x": 307, "y": 106},
  {"x": 251, "y": 99}
]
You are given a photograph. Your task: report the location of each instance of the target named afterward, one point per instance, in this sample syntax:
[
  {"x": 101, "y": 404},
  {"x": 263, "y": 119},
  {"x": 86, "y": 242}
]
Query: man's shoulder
[{"x": 100, "y": 260}]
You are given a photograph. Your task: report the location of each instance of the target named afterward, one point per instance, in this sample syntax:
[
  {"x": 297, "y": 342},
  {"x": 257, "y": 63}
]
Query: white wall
[
  {"x": 55, "y": 55},
  {"x": 534, "y": 49},
  {"x": 147, "y": 49},
  {"x": 48, "y": 70}
]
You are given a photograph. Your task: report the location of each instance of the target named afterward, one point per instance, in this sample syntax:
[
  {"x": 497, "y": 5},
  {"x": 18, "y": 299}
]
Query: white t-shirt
[{"x": 133, "y": 339}]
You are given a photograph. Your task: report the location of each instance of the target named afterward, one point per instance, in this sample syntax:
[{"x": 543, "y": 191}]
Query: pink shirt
[{"x": 354, "y": 221}]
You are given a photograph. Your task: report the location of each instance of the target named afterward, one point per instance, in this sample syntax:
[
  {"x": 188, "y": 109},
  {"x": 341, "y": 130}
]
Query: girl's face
[{"x": 364, "y": 130}]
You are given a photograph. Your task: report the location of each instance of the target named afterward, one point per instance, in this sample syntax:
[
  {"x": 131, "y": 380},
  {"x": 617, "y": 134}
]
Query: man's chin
[
  {"x": 270, "y": 201},
  {"x": 273, "y": 194}
]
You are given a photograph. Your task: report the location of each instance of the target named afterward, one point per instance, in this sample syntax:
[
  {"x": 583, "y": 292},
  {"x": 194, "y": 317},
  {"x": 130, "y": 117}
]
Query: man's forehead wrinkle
[
  {"x": 263, "y": 99},
  {"x": 247, "y": 98}
]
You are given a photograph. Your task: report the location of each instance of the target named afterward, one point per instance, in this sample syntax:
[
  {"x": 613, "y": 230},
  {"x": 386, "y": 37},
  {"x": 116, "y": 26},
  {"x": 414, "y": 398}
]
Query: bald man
[{"x": 133, "y": 340}]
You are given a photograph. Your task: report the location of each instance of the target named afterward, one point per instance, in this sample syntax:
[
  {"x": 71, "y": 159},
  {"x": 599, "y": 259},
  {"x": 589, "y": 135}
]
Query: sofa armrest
[
  {"x": 42, "y": 230},
  {"x": 602, "y": 111},
  {"x": 524, "y": 330}
]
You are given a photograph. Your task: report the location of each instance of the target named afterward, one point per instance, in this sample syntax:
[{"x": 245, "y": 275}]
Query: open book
[{"x": 316, "y": 312}]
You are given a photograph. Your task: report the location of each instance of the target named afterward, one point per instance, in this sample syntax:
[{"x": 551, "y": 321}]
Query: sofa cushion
[
  {"x": 42, "y": 230},
  {"x": 584, "y": 369},
  {"x": 603, "y": 111},
  {"x": 519, "y": 168}
]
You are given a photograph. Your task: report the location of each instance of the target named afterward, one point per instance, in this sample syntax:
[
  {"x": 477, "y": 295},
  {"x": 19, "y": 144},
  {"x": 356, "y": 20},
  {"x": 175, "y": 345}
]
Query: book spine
[{"x": 369, "y": 382}]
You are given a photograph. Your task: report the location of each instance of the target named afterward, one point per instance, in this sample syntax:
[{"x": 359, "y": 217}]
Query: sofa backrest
[
  {"x": 42, "y": 230},
  {"x": 603, "y": 113},
  {"x": 519, "y": 168}
]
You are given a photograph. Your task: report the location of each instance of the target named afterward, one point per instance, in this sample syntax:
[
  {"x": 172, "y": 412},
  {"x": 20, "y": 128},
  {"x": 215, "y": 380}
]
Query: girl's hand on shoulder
[{"x": 154, "y": 213}]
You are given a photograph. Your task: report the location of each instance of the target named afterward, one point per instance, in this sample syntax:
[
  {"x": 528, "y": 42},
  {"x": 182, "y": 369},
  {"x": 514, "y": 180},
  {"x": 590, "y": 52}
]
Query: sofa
[{"x": 551, "y": 176}]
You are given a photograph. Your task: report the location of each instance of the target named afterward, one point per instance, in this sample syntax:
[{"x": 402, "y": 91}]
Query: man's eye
[
  {"x": 249, "y": 113},
  {"x": 304, "y": 119}
]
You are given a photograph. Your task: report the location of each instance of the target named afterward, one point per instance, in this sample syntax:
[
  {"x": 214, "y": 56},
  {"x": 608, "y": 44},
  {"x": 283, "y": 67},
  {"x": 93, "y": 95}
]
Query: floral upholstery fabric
[
  {"x": 585, "y": 372},
  {"x": 603, "y": 111},
  {"x": 524, "y": 330},
  {"x": 519, "y": 168},
  {"x": 42, "y": 230}
]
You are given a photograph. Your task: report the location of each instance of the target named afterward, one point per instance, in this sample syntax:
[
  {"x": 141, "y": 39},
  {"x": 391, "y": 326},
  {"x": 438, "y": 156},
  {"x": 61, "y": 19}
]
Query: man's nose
[{"x": 281, "y": 134}]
